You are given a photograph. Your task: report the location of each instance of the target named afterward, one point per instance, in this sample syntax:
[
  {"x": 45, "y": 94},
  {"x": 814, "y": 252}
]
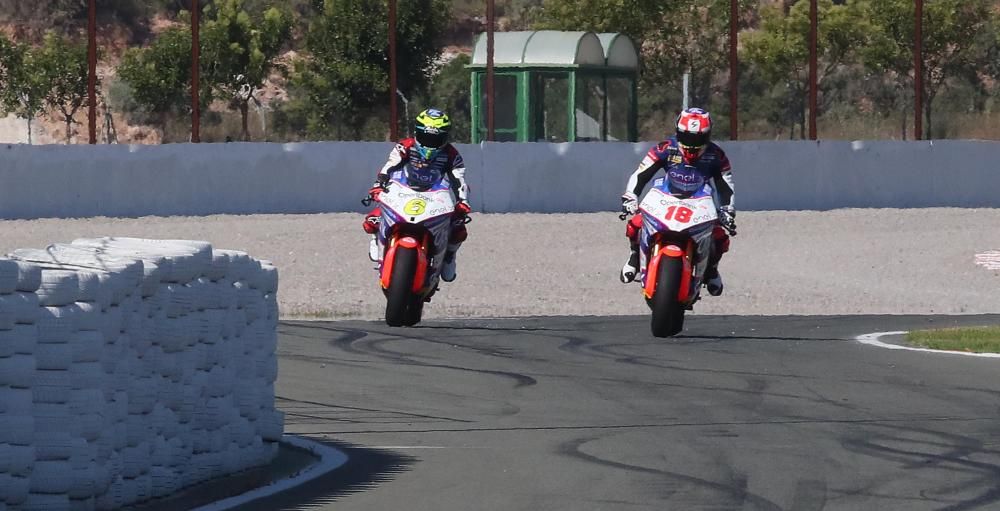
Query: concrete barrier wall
[
  {"x": 199, "y": 179},
  {"x": 130, "y": 369}
]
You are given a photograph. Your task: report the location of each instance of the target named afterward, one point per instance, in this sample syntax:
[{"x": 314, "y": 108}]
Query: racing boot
[
  {"x": 371, "y": 225},
  {"x": 373, "y": 252},
  {"x": 713, "y": 281},
  {"x": 448, "y": 265},
  {"x": 631, "y": 268}
]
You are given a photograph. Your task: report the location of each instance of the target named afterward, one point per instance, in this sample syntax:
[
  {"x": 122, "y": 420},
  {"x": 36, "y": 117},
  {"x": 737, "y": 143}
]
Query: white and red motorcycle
[
  {"x": 414, "y": 227},
  {"x": 675, "y": 242}
]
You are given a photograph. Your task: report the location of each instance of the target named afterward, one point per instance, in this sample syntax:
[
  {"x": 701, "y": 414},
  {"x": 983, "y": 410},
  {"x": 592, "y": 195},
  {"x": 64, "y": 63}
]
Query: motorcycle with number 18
[{"x": 674, "y": 244}]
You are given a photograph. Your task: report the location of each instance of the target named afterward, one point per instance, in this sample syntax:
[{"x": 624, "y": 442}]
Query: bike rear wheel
[
  {"x": 668, "y": 313},
  {"x": 399, "y": 296}
]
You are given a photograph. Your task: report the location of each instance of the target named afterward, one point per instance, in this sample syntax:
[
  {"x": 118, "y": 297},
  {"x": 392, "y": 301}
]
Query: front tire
[
  {"x": 668, "y": 314},
  {"x": 415, "y": 312},
  {"x": 399, "y": 295}
]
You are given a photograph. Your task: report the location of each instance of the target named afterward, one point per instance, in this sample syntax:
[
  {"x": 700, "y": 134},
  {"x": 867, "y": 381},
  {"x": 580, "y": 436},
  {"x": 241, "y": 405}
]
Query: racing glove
[
  {"x": 630, "y": 203},
  {"x": 727, "y": 216},
  {"x": 379, "y": 186},
  {"x": 463, "y": 208}
]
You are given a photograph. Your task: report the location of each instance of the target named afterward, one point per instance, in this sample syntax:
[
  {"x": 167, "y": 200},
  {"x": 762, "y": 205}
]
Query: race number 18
[{"x": 679, "y": 213}]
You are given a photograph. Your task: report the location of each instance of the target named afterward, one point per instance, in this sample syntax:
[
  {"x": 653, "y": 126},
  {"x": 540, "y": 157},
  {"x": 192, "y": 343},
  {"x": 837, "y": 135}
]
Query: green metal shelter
[{"x": 553, "y": 86}]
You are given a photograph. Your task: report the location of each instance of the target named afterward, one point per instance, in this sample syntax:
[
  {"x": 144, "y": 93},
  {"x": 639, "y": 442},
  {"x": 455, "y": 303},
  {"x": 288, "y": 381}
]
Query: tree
[
  {"x": 949, "y": 46},
  {"x": 683, "y": 36},
  {"x": 634, "y": 18},
  {"x": 25, "y": 82},
  {"x": 65, "y": 65},
  {"x": 8, "y": 52},
  {"x": 240, "y": 51},
  {"x": 345, "y": 77},
  {"x": 693, "y": 37},
  {"x": 160, "y": 75},
  {"x": 449, "y": 91},
  {"x": 780, "y": 49}
]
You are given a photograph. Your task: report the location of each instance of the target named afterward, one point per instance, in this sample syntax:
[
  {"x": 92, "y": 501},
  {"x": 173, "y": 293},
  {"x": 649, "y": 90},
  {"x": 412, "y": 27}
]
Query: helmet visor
[
  {"x": 434, "y": 140},
  {"x": 694, "y": 140}
]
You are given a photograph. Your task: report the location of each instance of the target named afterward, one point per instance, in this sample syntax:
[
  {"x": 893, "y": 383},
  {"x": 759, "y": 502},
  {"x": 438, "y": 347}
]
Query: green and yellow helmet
[{"x": 432, "y": 127}]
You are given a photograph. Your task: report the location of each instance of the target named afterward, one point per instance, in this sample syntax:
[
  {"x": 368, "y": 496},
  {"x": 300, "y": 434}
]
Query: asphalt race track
[{"x": 589, "y": 413}]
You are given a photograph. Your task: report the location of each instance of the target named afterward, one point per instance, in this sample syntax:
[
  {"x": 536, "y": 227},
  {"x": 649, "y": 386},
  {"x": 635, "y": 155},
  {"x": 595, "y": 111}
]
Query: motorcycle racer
[
  {"x": 426, "y": 158},
  {"x": 690, "y": 159}
]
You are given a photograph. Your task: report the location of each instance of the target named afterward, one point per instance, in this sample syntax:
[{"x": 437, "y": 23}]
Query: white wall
[
  {"x": 130, "y": 369},
  {"x": 198, "y": 179}
]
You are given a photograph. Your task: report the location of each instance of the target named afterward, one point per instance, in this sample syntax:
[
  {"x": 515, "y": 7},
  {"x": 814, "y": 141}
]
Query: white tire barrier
[{"x": 132, "y": 368}]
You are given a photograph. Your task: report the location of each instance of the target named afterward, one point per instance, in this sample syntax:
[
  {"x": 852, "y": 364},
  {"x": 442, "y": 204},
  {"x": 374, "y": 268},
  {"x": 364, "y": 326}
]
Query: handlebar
[{"x": 369, "y": 199}]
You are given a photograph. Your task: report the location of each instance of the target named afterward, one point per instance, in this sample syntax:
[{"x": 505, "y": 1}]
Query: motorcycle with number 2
[
  {"x": 674, "y": 245},
  {"x": 414, "y": 227}
]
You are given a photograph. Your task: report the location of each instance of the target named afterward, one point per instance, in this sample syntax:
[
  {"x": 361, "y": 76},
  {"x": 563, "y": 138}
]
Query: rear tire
[
  {"x": 668, "y": 314},
  {"x": 399, "y": 295}
]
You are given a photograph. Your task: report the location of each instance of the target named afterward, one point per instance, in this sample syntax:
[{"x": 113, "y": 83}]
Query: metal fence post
[
  {"x": 918, "y": 71},
  {"x": 813, "y": 67},
  {"x": 195, "y": 71},
  {"x": 92, "y": 70},
  {"x": 393, "y": 90},
  {"x": 734, "y": 70}
]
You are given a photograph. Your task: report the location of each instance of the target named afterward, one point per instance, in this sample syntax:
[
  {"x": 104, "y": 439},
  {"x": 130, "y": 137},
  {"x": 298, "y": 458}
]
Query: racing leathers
[
  {"x": 713, "y": 167},
  {"x": 425, "y": 166}
]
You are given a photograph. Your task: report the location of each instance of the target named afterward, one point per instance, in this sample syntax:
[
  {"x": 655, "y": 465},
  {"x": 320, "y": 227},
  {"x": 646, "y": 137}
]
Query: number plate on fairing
[
  {"x": 416, "y": 207},
  {"x": 676, "y": 213}
]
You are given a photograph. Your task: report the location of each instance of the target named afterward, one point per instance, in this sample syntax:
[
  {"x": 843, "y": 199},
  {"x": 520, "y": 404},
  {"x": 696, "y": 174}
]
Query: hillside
[
  {"x": 865, "y": 85},
  {"x": 124, "y": 24}
]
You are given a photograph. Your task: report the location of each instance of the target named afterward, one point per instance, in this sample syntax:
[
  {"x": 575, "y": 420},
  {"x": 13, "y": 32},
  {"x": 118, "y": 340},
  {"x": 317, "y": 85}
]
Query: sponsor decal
[
  {"x": 439, "y": 211},
  {"x": 684, "y": 177},
  {"x": 675, "y": 159}
]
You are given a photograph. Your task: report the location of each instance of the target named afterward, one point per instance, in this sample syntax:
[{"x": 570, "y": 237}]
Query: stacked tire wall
[{"x": 130, "y": 369}]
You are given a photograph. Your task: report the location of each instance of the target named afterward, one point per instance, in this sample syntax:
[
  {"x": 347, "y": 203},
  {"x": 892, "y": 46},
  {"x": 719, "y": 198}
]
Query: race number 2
[{"x": 679, "y": 214}]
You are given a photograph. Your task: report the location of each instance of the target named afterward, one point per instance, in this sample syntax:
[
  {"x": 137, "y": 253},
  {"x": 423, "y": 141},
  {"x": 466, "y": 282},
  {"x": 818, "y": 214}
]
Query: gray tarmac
[{"x": 592, "y": 413}]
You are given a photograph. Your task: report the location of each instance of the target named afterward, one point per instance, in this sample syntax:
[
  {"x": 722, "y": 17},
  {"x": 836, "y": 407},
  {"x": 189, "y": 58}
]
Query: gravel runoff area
[{"x": 849, "y": 261}]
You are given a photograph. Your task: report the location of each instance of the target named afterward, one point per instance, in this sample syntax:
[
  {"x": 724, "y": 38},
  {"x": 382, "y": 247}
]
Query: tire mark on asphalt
[
  {"x": 936, "y": 450},
  {"x": 738, "y": 492},
  {"x": 810, "y": 495},
  {"x": 375, "y": 410},
  {"x": 608, "y": 351},
  {"x": 655, "y": 425},
  {"x": 520, "y": 380},
  {"x": 357, "y": 342}
]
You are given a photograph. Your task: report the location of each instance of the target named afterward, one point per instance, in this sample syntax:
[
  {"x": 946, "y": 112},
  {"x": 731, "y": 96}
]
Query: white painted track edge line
[
  {"x": 330, "y": 459},
  {"x": 872, "y": 339}
]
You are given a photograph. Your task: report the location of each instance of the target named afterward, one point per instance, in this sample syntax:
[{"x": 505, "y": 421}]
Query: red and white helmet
[{"x": 694, "y": 130}]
